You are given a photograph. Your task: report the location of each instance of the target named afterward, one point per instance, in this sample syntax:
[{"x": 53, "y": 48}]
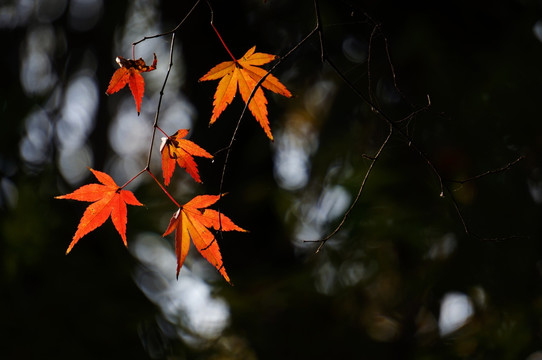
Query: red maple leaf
[
  {"x": 130, "y": 73},
  {"x": 108, "y": 199},
  {"x": 192, "y": 221},
  {"x": 182, "y": 151},
  {"x": 244, "y": 74}
]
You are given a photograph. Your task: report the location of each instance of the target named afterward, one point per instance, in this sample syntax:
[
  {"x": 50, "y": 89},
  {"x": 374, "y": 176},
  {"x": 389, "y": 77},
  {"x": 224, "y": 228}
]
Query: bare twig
[
  {"x": 379, "y": 112},
  {"x": 369, "y": 58},
  {"x": 358, "y": 195},
  {"x": 444, "y": 190},
  {"x": 172, "y": 31},
  {"x": 489, "y": 172},
  {"x": 157, "y": 114},
  {"x": 417, "y": 111}
]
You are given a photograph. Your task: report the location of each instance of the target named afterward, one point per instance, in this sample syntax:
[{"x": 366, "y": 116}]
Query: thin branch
[
  {"x": 489, "y": 172},
  {"x": 416, "y": 112},
  {"x": 358, "y": 195},
  {"x": 318, "y": 27},
  {"x": 369, "y": 57},
  {"x": 174, "y": 30},
  {"x": 392, "y": 68},
  {"x": 394, "y": 77},
  {"x": 467, "y": 229},
  {"x": 157, "y": 114}
]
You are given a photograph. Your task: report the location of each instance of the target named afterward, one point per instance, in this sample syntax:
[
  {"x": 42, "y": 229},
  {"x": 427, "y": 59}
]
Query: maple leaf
[
  {"x": 130, "y": 73},
  {"x": 108, "y": 199},
  {"x": 191, "y": 222},
  {"x": 182, "y": 151},
  {"x": 245, "y": 74}
]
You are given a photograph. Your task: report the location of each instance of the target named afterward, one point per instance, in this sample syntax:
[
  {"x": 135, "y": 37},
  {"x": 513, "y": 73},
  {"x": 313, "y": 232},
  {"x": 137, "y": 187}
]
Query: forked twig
[
  {"x": 172, "y": 31},
  {"x": 444, "y": 190}
]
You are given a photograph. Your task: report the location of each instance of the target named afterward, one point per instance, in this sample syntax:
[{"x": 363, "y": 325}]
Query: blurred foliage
[{"x": 377, "y": 289}]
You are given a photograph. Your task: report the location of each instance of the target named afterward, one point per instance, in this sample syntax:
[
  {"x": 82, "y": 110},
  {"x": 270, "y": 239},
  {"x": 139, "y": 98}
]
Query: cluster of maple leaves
[{"x": 193, "y": 220}]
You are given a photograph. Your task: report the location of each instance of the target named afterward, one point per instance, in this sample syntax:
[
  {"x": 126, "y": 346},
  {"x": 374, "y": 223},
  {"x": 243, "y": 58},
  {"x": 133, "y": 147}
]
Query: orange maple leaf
[
  {"x": 130, "y": 73},
  {"x": 191, "y": 222},
  {"x": 245, "y": 74},
  {"x": 108, "y": 199},
  {"x": 176, "y": 149}
]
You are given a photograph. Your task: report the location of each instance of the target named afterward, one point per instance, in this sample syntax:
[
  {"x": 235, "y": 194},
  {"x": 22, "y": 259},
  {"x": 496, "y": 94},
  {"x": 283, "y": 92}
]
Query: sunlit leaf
[
  {"x": 107, "y": 199},
  {"x": 194, "y": 221},
  {"x": 130, "y": 73},
  {"x": 244, "y": 74},
  {"x": 176, "y": 149}
]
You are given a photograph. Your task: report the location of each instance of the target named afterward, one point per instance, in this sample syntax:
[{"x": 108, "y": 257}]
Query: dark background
[{"x": 380, "y": 288}]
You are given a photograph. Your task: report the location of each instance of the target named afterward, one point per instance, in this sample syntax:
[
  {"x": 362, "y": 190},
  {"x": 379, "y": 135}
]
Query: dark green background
[{"x": 479, "y": 62}]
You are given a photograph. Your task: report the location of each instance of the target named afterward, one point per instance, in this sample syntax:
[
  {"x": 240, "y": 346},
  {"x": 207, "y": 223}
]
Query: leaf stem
[
  {"x": 133, "y": 178},
  {"x": 163, "y": 188},
  {"x": 217, "y": 33},
  {"x": 162, "y": 131},
  {"x": 358, "y": 195},
  {"x": 222, "y": 40}
]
